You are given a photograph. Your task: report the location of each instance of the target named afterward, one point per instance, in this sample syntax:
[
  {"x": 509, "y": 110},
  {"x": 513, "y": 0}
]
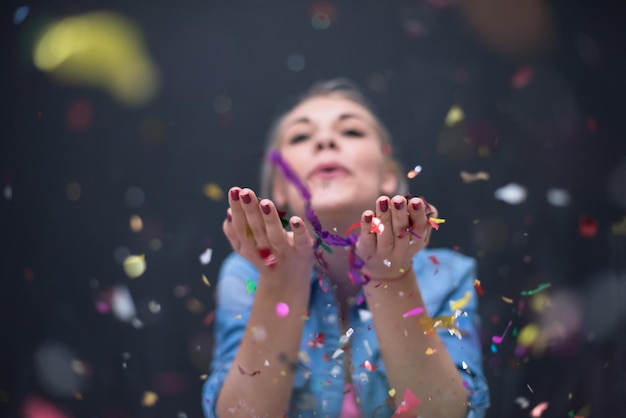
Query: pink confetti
[
  {"x": 522, "y": 77},
  {"x": 434, "y": 260},
  {"x": 242, "y": 371},
  {"x": 497, "y": 339},
  {"x": 408, "y": 406},
  {"x": 537, "y": 411},
  {"x": 282, "y": 309},
  {"x": 413, "y": 312}
]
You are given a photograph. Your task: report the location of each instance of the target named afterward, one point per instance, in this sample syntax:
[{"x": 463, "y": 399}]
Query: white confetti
[
  {"x": 558, "y": 197},
  {"x": 512, "y": 193},
  {"x": 387, "y": 262},
  {"x": 205, "y": 257}
]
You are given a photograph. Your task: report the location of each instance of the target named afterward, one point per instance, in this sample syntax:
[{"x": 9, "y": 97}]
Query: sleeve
[
  {"x": 231, "y": 316},
  {"x": 466, "y": 352}
]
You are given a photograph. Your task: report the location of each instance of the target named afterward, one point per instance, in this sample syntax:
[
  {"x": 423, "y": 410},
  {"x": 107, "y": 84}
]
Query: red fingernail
[
  {"x": 384, "y": 205},
  {"x": 367, "y": 218},
  {"x": 296, "y": 224},
  {"x": 246, "y": 198},
  {"x": 417, "y": 205},
  {"x": 265, "y": 208},
  {"x": 398, "y": 205},
  {"x": 229, "y": 218},
  {"x": 234, "y": 194}
]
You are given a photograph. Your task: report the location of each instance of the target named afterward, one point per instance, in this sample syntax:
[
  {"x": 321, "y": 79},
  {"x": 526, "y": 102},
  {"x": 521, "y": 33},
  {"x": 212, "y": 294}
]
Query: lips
[{"x": 328, "y": 170}]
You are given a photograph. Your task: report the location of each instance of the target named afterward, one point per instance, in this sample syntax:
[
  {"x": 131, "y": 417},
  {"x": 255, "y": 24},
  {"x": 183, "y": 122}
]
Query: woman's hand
[
  {"x": 255, "y": 231},
  {"x": 387, "y": 244}
]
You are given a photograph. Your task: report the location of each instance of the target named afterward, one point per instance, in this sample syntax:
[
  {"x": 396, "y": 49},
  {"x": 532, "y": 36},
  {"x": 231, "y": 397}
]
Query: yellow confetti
[
  {"x": 283, "y": 373},
  {"x": 619, "y": 228},
  {"x": 204, "y": 376},
  {"x": 456, "y": 305},
  {"x": 206, "y": 281},
  {"x": 194, "y": 305},
  {"x": 472, "y": 177},
  {"x": 213, "y": 191},
  {"x": 437, "y": 220},
  {"x": 454, "y": 116},
  {"x": 149, "y": 398},
  {"x": 430, "y": 351},
  {"x": 134, "y": 265},
  {"x": 392, "y": 392},
  {"x": 98, "y": 49},
  {"x": 507, "y": 300},
  {"x": 528, "y": 335},
  {"x": 136, "y": 224}
]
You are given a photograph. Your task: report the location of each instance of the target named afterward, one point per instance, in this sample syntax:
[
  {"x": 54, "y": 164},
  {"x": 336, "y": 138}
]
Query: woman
[{"x": 344, "y": 331}]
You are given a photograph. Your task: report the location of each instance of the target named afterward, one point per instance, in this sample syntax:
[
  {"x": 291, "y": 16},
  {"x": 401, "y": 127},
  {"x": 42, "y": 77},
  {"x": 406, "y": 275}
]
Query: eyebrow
[{"x": 341, "y": 117}]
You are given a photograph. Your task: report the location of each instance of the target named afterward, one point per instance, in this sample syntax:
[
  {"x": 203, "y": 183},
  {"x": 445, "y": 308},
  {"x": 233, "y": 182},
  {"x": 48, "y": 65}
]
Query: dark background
[{"x": 561, "y": 128}]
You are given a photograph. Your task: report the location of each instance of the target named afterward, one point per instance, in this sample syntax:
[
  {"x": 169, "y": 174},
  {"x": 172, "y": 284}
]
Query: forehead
[{"x": 326, "y": 109}]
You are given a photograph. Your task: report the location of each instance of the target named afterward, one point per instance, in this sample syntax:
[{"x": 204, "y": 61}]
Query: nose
[{"x": 325, "y": 143}]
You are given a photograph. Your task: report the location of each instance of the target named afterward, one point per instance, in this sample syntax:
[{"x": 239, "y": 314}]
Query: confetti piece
[
  {"x": 282, "y": 309},
  {"x": 135, "y": 223},
  {"x": 541, "y": 287},
  {"x": 468, "y": 177},
  {"x": 377, "y": 226},
  {"x": 619, "y": 228},
  {"x": 538, "y": 410},
  {"x": 528, "y": 335},
  {"x": 213, "y": 191},
  {"x": 149, "y": 398},
  {"x": 250, "y": 286},
  {"x": 205, "y": 257},
  {"x": 522, "y": 77},
  {"x": 507, "y": 300},
  {"x": 558, "y": 197},
  {"x": 134, "y": 266},
  {"x": 434, "y": 222},
  {"x": 497, "y": 339},
  {"x": 387, "y": 262},
  {"x": 523, "y": 402},
  {"x": 243, "y": 372},
  {"x": 461, "y": 303},
  {"x": 434, "y": 260},
  {"x": 414, "y": 173},
  {"x": 454, "y": 116},
  {"x": 587, "y": 226},
  {"x": 430, "y": 351},
  {"x": 209, "y": 318},
  {"x": 464, "y": 365},
  {"x": 203, "y": 376},
  {"x": 478, "y": 287},
  {"x": 512, "y": 193},
  {"x": 392, "y": 392},
  {"x": 368, "y": 366},
  {"x": 412, "y": 312},
  {"x": 21, "y": 13},
  {"x": 206, "y": 281},
  {"x": 409, "y": 404},
  {"x": 268, "y": 258}
]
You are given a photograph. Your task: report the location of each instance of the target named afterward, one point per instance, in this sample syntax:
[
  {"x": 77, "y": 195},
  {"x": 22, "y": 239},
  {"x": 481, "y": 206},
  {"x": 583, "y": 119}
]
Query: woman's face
[{"x": 333, "y": 145}]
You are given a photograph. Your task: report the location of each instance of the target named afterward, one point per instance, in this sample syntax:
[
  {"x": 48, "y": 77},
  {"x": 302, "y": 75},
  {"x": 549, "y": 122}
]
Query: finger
[
  {"x": 384, "y": 241},
  {"x": 273, "y": 227},
  {"x": 417, "y": 214},
  {"x": 239, "y": 222},
  {"x": 302, "y": 240},
  {"x": 254, "y": 218},
  {"x": 400, "y": 217},
  {"x": 229, "y": 231},
  {"x": 366, "y": 243}
]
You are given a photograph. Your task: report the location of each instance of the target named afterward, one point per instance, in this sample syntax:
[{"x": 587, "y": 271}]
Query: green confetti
[
  {"x": 541, "y": 287},
  {"x": 250, "y": 286},
  {"x": 570, "y": 414}
]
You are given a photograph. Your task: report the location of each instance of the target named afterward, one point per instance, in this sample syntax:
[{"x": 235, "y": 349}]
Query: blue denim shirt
[{"x": 443, "y": 276}]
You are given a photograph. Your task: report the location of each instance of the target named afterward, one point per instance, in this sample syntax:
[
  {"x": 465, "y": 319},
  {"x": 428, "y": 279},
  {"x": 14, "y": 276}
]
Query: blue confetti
[{"x": 20, "y": 14}]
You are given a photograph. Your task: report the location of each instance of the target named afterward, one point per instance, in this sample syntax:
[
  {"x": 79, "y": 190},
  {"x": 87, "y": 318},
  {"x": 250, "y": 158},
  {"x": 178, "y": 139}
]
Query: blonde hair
[{"x": 338, "y": 87}]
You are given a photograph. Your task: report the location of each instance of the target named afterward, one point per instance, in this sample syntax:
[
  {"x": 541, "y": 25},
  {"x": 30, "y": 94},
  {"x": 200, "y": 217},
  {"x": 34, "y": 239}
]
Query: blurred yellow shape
[
  {"x": 149, "y": 398},
  {"x": 134, "y": 265},
  {"x": 456, "y": 305},
  {"x": 454, "y": 116},
  {"x": 98, "y": 49},
  {"x": 528, "y": 335},
  {"x": 213, "y": 191}
]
